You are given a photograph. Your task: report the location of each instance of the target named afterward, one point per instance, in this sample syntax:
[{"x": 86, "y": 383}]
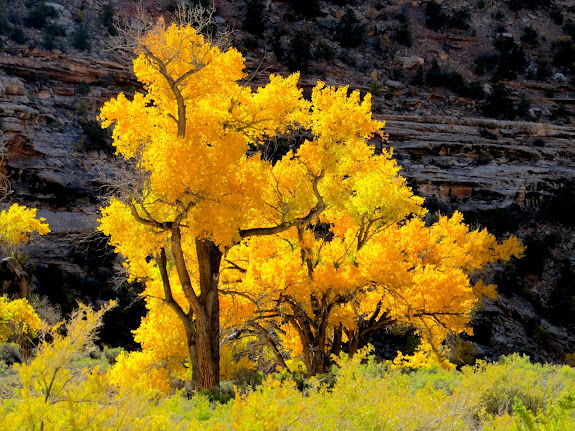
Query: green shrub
[
  {"x": 83, "y": 89},
  {"x": 529, "y": 36},
  {"x": 461, "y": 18},
  {"x": 349, "y": 31},
  {"x": 560, "y": 112},
  {"x": 564, "y": 52},
  {"x": 499, "y": 104},
  {"x": 569, "y": 28},
  {"x": 107, "y": 19},
  {"x": 324, "y": 51},
  {"x": 300, "y": 52},
  {"x": 512, "y": 59},
  {"x": 254, "y": 20},
  {"x": 306, "y": 8},
  {"x": 54, "y": 30},
  {"x": 98, "y": 139},
  {"x": 4, "y": 26},
  {"x": 81, "y": 39},
  {"x": 17, "y": 35},
  {"x": 419, "y": 77},
  {"x": 37, "y": 17},
  {"x": 403, "y": 35},
  {"x": 49, "y": 42},
  {"x": 557, "y": 16},
  {"x": 453, "y": 81},
  {"x": 375, "y": 87},
  {"x": 435, "y": 19}
]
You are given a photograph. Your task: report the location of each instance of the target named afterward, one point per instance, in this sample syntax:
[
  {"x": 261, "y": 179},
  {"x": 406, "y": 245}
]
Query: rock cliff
[{"x": 511, "y": 176}]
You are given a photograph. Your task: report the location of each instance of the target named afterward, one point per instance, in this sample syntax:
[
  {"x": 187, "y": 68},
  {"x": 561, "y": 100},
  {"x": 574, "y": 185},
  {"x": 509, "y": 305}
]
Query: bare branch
[{"x": 282, "y": 227}]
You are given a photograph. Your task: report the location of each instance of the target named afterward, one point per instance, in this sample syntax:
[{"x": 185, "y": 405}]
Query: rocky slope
[{"x": 511, "y": 176}]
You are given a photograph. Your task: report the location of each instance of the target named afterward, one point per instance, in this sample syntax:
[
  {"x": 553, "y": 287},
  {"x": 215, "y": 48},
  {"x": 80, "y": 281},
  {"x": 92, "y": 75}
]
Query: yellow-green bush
[{"x": 53, "y": 393}]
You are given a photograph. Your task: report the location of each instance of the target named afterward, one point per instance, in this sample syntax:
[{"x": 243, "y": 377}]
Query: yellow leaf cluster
[
  {"x": 18, "y": 223},
  {"x": 17, "y": 318}
]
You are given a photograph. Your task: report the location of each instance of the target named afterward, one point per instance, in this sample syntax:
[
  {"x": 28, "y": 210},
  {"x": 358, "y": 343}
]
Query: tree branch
[{"x": 282, "y": 227}]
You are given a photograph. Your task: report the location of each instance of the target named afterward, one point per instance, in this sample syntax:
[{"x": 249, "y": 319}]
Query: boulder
[{"x": 411, "y": 62}]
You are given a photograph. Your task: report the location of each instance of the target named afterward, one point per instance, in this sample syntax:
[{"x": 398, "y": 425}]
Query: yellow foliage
[
  {"x": 18, "y": 223},
  {"x": 55, "y": 395},
  {"x": 17, "y": 318},
  {"x": 379, "y": 264}
]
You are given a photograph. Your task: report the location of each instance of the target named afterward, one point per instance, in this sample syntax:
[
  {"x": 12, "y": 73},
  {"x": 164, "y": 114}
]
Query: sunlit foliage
[
  {"x": 199, "y": 187},
  {"x": 17, "y": 223},
  {"x": 317, "y": 249},
  {"x": 55, "y": 393},
  {"x": 17, "y": 320}
]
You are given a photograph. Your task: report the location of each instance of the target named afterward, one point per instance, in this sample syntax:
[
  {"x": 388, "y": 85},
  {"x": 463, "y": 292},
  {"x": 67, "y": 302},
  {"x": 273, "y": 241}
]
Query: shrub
[
  {"x": 98, "y": 139},
  {"x": 17, "y": 35},
  {"x": 300, "y": 52},
  {"x": 512, "y": 59},
  {"x": 560, "y": 112},
  {"x": 564, "y": 52},
  {"x": 397, "y": 74},
  {"x": 569, "y": 28},
  {"x": 349, "y": 31},
  {"x": 306, "y": 8},
  {"x": 453, "y": 81},
  {"x": 474, "y": 90},
  {"x": 517, "y": 5},
  {"x": 37, "y": 17},
  {"x": 434, "y": 75},
  {"x": 254, "y": 20},
  {"x": 81, "y": 39},
  {"x": 419, "y": 78},
  {"x": 523, "y": 107},
  {"x": 435, "y": 19},
  {"x": 499, "y": 103},
  {"x": 324, "y": 51},
  {"x": 83, "y": 88},
  {"x": 4, "y": 26},
  {"x": 538, "y": 142},
  {"x": 529, "y": 36},
  {"x": 557, "y": 16},
  {"x": 543, "y": 69},
  {"x": 54, "y": 30},
  {"x": 107, "y": 19},
  {"x": 375, "y": 87},
  {"x": 461, "y": 18},
  {"x": 403, "y": 35},
  {"x": 49, "y": 42}
]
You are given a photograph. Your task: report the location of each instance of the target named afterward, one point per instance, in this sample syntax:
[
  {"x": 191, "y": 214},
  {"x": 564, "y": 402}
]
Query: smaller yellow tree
[
  {"x": 17, "y": 318},
  {"x": 18, "y": 223}
]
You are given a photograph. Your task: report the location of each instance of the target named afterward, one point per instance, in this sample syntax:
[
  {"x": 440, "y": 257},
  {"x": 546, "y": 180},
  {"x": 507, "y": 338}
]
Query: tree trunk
[
  {"x": 316, "y": 361},
  {"x": 207, "y": 350}
]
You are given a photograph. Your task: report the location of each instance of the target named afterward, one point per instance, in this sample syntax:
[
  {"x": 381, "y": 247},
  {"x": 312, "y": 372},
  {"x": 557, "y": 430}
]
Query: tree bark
[{"x": 207, "y": 371}]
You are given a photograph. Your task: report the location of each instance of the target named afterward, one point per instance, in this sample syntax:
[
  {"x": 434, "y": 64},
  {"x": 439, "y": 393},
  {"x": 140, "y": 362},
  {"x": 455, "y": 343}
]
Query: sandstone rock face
[
  {"x": 483, "y": 163},
  {"x": 449, "y": 153}
]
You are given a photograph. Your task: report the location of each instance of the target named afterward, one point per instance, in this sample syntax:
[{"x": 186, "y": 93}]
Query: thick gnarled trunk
[{"x": 208, "y": 321}]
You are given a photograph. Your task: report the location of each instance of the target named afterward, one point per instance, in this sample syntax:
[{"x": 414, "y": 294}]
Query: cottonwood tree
[{"x": 200, "y": 193}]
